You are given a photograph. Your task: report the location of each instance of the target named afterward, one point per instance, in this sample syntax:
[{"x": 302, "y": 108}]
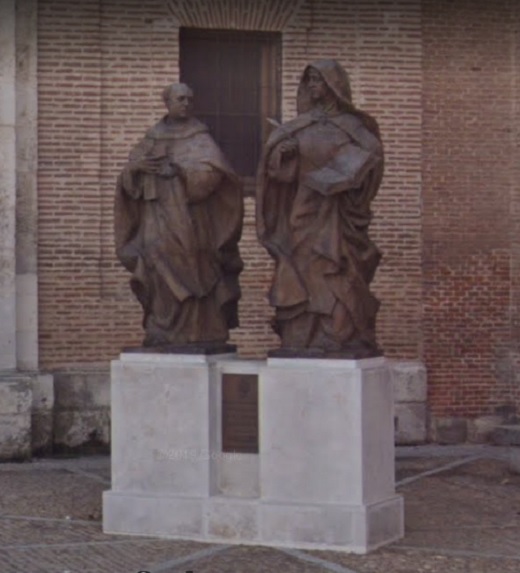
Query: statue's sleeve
[
  {"x": 204, "y": 170},
  {"x": 280, "y": 168},
  {"x": 202, "y": 179}
]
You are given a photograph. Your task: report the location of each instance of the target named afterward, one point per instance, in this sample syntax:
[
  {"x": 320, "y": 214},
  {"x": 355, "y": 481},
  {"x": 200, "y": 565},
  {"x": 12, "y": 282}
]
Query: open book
[{"x": 345, "y": 171}]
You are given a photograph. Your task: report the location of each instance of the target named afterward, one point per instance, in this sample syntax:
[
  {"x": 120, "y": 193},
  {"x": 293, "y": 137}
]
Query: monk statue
[
  {"x": 317, "y": 178},
  {"x": 178, "y": 220}
]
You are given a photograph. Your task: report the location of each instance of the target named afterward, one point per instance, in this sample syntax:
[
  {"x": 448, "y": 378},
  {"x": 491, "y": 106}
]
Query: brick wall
[
  {"x": 68, "y": 180},
  {"x": 102, "y": 66},
  {"x": 470, "y": 188},
  {"x": 439, "y": 78},
  {"x": 379, "y": 44}
]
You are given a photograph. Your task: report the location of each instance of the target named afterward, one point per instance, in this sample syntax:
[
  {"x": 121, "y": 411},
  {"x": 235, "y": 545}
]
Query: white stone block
[
  {"x": 15, "y": 417},
  {"x": 356, "y": 529},
  {"x": 161, "y": 420},
  {"x": 15, "y": 436},
  {"x": 27, "y": 321},
  {"x": 43, "y": 392},
  {"x": 480, "y": 430},
  {"x": 324, "y": 426},
  {"x": 7, "y": 340},
  {"x": 7, "y": 187},
  {"x": 82, "y": 408},
  {"x": 7, "y": 63},
  {"x": 159, "y": 515},
  {"x": 409, "y": 380},
  {"x": 232, "y": 520},
  {"x": 302, "y": 525},
  {"x": 15, "y": 394},
  {"x": 238, "y": 475},
  {"x": 384, "y": 523},
  {"x": 74, "y": 428},
  {"x": 410, "y": 423},
  {"x": 7, "y": 240},
  {"x": 82, "y": 389},
  {"x": 237, "y": 366}
]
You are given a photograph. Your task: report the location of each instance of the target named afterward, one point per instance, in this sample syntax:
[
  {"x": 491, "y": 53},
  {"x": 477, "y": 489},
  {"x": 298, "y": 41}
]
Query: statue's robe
[
  {"x": 313, "y": 213},
  {"x": 178, "y": 236}
]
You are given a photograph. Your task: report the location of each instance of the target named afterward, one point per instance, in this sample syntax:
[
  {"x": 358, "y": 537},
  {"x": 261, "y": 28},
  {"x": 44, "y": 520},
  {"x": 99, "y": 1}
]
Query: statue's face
[
  {"x": 180, "y": 102},
  {"x": 318, "y": 89}
]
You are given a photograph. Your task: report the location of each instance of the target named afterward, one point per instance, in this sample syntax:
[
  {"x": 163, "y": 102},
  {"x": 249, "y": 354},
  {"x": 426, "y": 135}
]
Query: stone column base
[{"x": 15, "y": 416}]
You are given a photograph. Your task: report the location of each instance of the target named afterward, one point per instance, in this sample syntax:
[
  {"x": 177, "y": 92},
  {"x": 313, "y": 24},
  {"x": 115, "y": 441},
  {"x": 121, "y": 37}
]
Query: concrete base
[{"x": 325, "y": 471}]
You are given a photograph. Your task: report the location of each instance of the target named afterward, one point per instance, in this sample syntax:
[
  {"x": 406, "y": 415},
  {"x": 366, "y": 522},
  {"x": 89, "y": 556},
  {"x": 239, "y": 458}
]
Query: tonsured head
[{"x": 178, "y": 98}]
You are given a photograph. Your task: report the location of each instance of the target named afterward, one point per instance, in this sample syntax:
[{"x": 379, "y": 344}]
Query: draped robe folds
[
  {"x": 178, "y": 236},
  {"x": 313, "y": 216}
]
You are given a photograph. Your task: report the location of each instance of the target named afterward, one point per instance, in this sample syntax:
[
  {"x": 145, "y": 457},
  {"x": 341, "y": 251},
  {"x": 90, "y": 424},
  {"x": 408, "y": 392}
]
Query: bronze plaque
[{"x": 240, "y": 413}]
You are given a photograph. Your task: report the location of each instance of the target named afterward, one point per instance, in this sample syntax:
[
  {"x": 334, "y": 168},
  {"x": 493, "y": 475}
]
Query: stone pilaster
[
  {"x": 20, "y": 381},
  {"x": 7, "y": 186},
  {"x": 26, "y": 185}
]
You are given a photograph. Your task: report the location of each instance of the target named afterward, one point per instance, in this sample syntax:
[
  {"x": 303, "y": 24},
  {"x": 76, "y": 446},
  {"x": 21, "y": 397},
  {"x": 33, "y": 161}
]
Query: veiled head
[{"x": 334, "y": 83}]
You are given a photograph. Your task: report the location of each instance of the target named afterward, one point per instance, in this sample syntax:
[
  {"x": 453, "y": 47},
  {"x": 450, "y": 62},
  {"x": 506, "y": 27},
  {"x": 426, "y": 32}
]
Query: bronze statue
[
  {"x": 317, "y": 177},
  {"x": 178, "y": 220}
]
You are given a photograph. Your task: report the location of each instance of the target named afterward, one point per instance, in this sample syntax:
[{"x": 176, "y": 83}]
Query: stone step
[{"x": 506, "y": 435}]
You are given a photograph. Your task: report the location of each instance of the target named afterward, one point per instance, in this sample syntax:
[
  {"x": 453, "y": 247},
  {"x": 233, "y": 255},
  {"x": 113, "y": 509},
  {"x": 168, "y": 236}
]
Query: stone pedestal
[{"x": 325, "y": 469}]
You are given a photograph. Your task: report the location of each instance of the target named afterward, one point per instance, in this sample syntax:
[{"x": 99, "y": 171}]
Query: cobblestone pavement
[{"x": 462, "y": 516}]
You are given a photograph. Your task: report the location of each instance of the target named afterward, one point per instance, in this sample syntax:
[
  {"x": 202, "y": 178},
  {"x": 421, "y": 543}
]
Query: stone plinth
[{"x": 325, "y": 471}]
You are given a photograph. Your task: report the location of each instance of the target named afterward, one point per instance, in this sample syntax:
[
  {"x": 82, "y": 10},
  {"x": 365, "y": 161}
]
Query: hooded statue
[
  {"x": 317, "y": 177},
  {"x": 178, "y": 220}
]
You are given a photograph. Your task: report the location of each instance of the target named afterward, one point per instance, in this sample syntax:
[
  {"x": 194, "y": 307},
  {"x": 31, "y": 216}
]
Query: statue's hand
[
  {"x": 149, "y": 164},
  {"x": 289, "y": 147}
]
